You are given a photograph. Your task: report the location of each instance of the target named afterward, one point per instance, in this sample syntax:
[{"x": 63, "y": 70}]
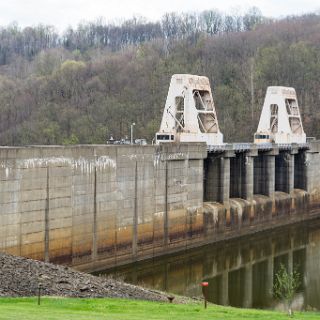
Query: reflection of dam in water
[{"x": 239, "y": 272}]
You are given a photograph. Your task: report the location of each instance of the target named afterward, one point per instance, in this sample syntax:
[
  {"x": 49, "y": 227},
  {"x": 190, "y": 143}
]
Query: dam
[
  {"x": 96, "y": 206},
  {"x": 101, "y": 206}
]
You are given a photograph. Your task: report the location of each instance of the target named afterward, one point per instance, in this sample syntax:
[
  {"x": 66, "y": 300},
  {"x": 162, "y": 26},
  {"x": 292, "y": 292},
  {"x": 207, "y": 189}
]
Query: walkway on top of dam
[{"x": 244, "y": 146}]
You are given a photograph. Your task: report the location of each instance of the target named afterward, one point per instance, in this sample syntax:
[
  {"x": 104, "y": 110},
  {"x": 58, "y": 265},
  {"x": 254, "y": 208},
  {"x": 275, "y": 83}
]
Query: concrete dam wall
[
  {"x": 84, "y": 204},
  {"x": 98, "y": 206}
]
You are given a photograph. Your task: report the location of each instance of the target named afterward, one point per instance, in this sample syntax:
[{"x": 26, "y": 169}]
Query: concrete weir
[{"x": 96, "y": 206}]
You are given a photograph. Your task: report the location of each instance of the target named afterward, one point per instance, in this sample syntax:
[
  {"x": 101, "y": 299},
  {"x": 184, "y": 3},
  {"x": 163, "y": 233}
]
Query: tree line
[
  {"x": 29, "y": 41},
  {"x": 80, "y": 87}
]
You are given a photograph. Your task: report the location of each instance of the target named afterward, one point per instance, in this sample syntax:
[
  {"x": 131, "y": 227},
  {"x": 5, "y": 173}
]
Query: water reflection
[{"x": 240, "y": 272}]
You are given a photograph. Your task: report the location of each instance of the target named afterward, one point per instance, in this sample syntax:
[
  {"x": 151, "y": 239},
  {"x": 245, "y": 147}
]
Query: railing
[
  {"x": 241, "y": 147},
  {"x": 284, "y": 146},
  {"x": 216, "y": 148},
  {"x": 304, "y": 145},
  {"x": 264, "y": 146}
]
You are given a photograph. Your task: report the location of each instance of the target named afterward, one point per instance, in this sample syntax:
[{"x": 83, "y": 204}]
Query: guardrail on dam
[{"x": 99, "y": 206}]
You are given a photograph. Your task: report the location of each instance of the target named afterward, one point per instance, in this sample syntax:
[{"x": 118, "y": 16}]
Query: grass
[{"x": 89, "y": 309}]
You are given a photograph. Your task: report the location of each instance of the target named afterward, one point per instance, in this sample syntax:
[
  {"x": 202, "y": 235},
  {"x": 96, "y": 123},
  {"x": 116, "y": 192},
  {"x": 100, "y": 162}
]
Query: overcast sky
[{"x": 62, "y": 13}]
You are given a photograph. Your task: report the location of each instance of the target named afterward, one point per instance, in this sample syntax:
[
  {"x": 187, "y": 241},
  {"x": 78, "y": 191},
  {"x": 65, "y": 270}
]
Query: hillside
[{"x": 94, "y": 81}]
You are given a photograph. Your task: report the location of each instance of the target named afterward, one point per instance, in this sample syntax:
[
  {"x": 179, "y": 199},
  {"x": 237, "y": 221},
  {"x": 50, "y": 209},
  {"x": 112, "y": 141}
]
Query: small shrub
[{"x": 286, "y": 285}]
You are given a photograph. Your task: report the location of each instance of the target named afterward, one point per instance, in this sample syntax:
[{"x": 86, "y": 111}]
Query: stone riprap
[{"x": 21, "y": 277}]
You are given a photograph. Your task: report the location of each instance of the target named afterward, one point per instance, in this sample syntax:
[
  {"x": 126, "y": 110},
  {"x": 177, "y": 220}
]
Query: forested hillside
[{"x": 95, "y": 80}]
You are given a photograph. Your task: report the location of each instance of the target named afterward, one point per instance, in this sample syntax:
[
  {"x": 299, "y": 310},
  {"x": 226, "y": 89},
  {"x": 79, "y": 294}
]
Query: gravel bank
[{"x": 20, "y": 277}]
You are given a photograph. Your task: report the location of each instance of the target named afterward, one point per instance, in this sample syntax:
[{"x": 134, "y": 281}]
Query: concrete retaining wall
[{"x": 97, "y": 205}]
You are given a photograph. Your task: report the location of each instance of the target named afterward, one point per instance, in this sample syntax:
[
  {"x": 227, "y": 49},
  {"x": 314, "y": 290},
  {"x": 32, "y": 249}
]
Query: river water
[{"x": 240, "y": 272}]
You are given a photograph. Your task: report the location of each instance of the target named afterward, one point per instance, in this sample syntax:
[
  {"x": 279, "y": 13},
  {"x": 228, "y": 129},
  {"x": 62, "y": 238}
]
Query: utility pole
[
  {"x": 251, "y": 85},
  {"x": 131, "y": 132}
]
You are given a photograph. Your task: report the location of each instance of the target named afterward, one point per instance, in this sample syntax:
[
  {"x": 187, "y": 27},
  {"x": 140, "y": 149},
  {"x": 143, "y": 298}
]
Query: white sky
[{"x": 62, "y": 13}]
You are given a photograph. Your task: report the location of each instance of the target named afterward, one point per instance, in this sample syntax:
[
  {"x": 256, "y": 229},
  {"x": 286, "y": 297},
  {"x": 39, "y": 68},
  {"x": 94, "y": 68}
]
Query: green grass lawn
[{"x": 87, "y": 309}]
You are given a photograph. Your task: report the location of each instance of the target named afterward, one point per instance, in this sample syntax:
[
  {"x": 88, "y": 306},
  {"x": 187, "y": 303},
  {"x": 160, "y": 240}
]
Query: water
[{"x": 240, "y": 272}]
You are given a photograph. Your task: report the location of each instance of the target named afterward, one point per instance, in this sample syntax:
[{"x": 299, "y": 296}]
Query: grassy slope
[{"x": 60, "y": 308}]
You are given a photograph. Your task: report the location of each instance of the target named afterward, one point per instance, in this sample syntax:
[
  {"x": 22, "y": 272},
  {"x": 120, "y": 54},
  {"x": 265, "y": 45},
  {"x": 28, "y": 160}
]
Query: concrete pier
[
  {"x": 225, "y": 180},
  {"x": 248, "y": 185}
]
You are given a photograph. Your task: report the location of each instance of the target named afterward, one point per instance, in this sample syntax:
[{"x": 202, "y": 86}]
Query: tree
[
  {"x": 211, "y": 21},
  {"x": 286, "y": 285},
  {"x": 252, "y": 18}
]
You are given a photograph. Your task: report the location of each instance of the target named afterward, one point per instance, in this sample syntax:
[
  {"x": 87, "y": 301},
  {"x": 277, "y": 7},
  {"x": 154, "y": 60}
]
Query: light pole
[{"x": 131, "y": 131}]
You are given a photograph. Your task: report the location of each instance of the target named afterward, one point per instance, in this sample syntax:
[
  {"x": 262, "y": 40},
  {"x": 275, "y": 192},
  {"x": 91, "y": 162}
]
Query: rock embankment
[{"x": 21, "y": 277}]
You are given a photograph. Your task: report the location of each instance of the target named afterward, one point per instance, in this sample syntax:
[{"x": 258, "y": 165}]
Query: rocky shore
[{"x": 20, "y": 277}]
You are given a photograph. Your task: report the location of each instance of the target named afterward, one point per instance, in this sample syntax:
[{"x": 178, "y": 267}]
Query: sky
[{"x": 63, "y": 13}]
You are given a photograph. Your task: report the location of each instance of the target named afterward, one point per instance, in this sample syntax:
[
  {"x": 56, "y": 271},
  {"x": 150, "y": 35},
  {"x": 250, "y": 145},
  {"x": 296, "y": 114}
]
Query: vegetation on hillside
[{"x": 95, "y": 80}]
